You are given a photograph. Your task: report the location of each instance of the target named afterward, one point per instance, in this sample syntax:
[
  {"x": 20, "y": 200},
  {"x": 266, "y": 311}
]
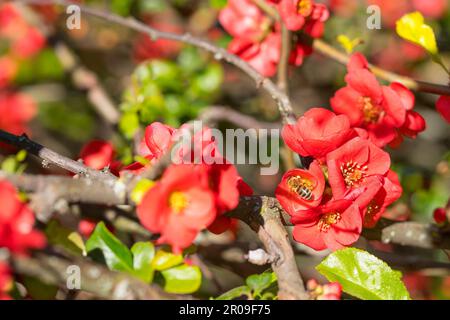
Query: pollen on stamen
[{"x": 327, "y": 220}]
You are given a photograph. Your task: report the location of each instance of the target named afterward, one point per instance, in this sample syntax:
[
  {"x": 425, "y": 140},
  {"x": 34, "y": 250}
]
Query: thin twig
[
  {"x": 51, "y": 157},
  {"x": 341, "y": 57}
]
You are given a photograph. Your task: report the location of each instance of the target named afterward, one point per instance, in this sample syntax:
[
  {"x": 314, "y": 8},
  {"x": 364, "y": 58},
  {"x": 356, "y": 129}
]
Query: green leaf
[
  {"x": 143, "y": 254},
  {"x": 165, "y": 260},
  {"x": 77, "y": 240},
  {"x": 363, "y": 275},
  {"x": 218, "y": 4},
  {"x": 183, "y": 279},
  {"x": 117, "y": 256},
  {"x": 235, "y": 293},
  {"x": 259, "y": 282}
]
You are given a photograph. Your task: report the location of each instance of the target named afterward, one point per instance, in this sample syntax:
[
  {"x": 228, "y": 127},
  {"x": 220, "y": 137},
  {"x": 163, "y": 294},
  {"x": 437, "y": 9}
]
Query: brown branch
[
  {"x": 95, "y": 278},
  {"x": 263, "y": 215},
  {"x": 51, "y": 157},
  {"x": 283, "y": 66},
  {"x": 341, "y": 57},
  {"x": 85, "y": 79}
]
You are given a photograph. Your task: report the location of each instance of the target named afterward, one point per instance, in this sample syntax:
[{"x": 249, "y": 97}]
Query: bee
[{"x": 297, "y": 185}]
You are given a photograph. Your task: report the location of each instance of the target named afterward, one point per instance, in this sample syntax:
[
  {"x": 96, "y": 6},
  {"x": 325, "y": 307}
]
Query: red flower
[
  {"x": 99, "y": 154},
  {"x": 301, "y": 189},
  {"x": 443, "y": 107},
  {"x": 16, "y": 222},
  {"x": 317, "y": 133},
  {"x": 350, "y": 166},
  {"x": 334, "y": 225},
  {"x": 158, "y": 138},
  {"x": 298, "y": 14},
  {"x": 255, "y": 40},
  {"x": 178, "y": 206},
  {"x": 17, "y": 110},
  {"x": 28, "y": 44},
  {"x": 5, "y": 281},
  {"x": 378, "y": 109}
]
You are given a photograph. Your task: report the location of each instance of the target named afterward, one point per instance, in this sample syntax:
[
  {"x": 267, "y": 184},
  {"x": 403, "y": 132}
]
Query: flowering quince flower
[
  {"x": 17, "y": 109},
  {"x": 158, "y": 138},
  {"x": 431, "y": 8},
  {"x": 16, "y": 223},
  {"x": 443, "y": 107},
  {"x": 329, "y": 291},
  {"x": 317, "y": 132},
  {"x": 378, "y": 109},
  {"x": 333, "y": 225},
  {"x": 254, "y": 39},
  {"x": 5, "y": 281},
  {"x": 26, "y": 40},
  {"x": 300, "y": 189},
  {"x": 298, "y": 14},
  {"x": 352, "y": 164},
  {"x": 99, "y": 154},
  {"x": 178, "y": 206}
]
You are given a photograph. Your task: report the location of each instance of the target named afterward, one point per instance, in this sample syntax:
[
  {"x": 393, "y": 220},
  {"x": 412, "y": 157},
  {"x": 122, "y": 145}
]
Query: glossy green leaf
[
  {"x": 117, "y": 256},
  {"x": 235, "y": 293},
  {"x": 183, "y": 279},
  {"x": 143, "y": 254},
  {"x": 164, "y": 260},
  {"x": 363, "y": 275},
  {"x": 259, "y": 282}
]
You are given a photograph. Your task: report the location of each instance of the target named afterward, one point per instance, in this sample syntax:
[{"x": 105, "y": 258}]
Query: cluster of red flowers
[
  {"x": 257, "y": 37},
  {"x": 189, "y": 197},
  {"x": 383, "y": 113},
  {"x": 349, "y": 184},
  {"x": 23, "y": 42},
  {"x": 16, "y": 223}
]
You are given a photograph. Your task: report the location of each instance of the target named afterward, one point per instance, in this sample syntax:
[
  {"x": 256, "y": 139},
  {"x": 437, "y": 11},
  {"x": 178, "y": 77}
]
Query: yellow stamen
[
  {"x": 327, "y": 220},
  {"x": 353, "y": 173},
  {"x": 372, "y": 113},
  {"x": 178, "y": 201}
]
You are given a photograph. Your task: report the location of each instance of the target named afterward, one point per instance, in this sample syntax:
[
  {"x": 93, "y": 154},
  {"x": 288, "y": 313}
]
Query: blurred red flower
[
  {"x": 329, "y": 291},
  {"x": 16, "y": 222},
  {"x": 254, "y": 39},
  {"x": 443, "y": 107},
  {"x": 17, "y": 109},
  {"x": 99, "y": 154}
]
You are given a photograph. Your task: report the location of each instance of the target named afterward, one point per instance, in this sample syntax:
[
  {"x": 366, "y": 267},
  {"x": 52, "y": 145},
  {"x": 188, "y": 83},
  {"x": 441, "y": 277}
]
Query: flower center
[
  {"x": 372, "y": 209},
  {"x": 327, "y": 220},
  {"x": 353, "y": 173},
  {"x": 178, "y": 201},
  {"x": 372, "y": 113},
  {"x": 304, "y": 7},
  {"x": 302, "y": 187}
]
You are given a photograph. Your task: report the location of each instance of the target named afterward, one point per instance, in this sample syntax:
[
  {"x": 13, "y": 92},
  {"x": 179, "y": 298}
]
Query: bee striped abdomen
[{"x": 301, "y": 187}]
